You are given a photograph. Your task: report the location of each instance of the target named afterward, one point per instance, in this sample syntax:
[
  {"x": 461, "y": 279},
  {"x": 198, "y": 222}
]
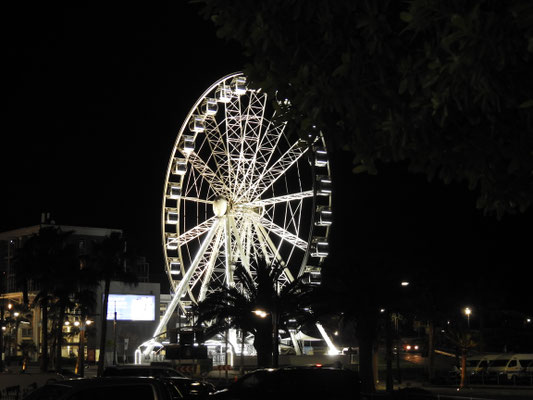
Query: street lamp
[
  {"x": 263, "y": 314},
  {"x": 467, "y": 312}
]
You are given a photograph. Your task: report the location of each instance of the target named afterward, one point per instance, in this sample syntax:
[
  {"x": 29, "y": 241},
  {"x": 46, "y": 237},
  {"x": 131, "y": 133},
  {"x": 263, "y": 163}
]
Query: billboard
[{"x": 131, "y": 307}]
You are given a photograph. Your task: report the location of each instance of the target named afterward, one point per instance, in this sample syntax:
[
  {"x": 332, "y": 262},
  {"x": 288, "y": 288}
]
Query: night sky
[{"x": 96, "y": 95}]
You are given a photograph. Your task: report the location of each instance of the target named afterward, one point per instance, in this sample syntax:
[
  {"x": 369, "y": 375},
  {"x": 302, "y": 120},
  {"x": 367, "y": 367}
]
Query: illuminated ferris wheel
[{"x": 238, "y": 188}]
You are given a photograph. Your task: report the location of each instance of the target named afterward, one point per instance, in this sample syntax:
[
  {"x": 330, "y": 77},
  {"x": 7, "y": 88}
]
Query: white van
[
  {"x": 479, "y": 370},
  {"x": 517, "y": 367},
  {"x": 510, "y": 367}
]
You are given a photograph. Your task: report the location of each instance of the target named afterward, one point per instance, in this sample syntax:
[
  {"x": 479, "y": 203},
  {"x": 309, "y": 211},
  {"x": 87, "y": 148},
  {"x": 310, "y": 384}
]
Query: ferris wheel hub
[{"x": 220, "y": 206}]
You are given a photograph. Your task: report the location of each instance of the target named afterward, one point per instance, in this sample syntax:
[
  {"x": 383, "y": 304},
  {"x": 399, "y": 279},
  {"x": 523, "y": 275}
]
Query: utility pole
[{"x": 115, "y": 336}]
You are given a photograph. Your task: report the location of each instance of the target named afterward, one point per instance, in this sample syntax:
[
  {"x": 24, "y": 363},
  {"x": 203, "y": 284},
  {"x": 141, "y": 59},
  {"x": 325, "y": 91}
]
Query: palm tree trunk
[
  {"x": 431, "y": 352},
  {"x": 463, "y": 368},
  {"x": 103, "y": 325},
  {"x": 388, "y": 349},
  {"x": 59, "y": 337},
  {"x": 44, "y": 335},
  {"x": 366, "y": 328},
  {"x": 263, "y": 346},
  {"x": 80, "y": 367}
]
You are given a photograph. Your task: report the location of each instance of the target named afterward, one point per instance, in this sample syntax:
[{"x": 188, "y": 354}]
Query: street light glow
[{"x": 260, "y": 313}]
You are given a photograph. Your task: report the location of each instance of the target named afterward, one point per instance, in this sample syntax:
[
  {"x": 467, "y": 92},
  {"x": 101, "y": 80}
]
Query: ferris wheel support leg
[
  {"x": 332, "y": 349},
  {"x": 295, "y": 343},
  {"x": 228, "y": 251},
  {"x": 244, "y": 257},
  {"x": 180, "y": 290}
]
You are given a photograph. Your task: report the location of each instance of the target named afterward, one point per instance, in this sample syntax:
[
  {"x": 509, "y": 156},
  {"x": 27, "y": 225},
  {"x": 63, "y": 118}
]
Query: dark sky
[{"x": 95, "y": 96}]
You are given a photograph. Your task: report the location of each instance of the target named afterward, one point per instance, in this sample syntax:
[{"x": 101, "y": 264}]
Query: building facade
[{"x": 22, "y": 326}]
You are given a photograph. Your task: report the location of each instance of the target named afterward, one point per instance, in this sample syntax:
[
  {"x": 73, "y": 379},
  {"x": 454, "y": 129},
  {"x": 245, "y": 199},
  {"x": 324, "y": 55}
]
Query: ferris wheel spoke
[
  {"x": 269, "y": 244},
  {"x": 207, "y": 271},
  {"x": 183, "y": 285},
  {"x": 276, "y": 170},
  {"x": 228, "y": 254},
  {"x": 250, "y": 145},
  {"x": 214, "y": 181},
  {"x": 279, "y": 199},
  {"x": 217, "y": 146},
  {"x": 196, "y": 200},
  {"x": 282, "y": 233},
  {"x": 195, "y": 232},
  {"x": 239, "y": 245},
  {"x": 211, "y": 266},
  {"x": 265, "y": 151}
]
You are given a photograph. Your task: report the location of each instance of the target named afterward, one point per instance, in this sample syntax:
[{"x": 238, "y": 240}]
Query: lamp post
[{"x": 467, "y": 312}]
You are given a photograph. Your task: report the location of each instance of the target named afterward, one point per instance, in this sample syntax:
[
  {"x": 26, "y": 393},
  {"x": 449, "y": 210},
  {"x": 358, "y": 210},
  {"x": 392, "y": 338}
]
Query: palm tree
[
  {"x": 39, "y": 261},
  {"x": 234, "y": 308},
  {"x": 63, "y": 292},
  {"x": 27, "y": 348},
  {"x": 85, "y": 299},
  {"x": 464, "y": 340},
  {"x": 109, "y": 259}
]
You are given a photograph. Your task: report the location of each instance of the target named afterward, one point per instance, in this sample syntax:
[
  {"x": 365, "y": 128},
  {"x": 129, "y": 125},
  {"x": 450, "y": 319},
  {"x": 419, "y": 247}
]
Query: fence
[{"x": 16, "y": 392}]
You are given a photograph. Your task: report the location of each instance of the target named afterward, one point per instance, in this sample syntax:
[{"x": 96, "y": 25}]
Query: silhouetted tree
[
  {"x": 444, "y": 85},
  {"x": 40, "y": 261},
  {"x": 233, "y": 307}
]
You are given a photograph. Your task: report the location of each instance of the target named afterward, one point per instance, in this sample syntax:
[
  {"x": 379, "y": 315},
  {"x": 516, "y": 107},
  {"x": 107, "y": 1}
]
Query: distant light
[
  {"x": 405, "y": 283},
  {"x": 76, "y": 323},
  {"x": 382, "y": 310},
  {"x": 89, "y": 322},
  {"x": 67, "y": 323},
  {"x": 336, "y": 333},
  {"x": 468, "y": 311},
  {"x": 260, "y": 313},
  {"x": 318, "y": 365},
  {"x": 528, "y": 320}
]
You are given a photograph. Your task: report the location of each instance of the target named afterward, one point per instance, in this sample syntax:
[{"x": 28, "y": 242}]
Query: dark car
[
  {"x": 141, "y": 370},
  {"x": 111, "y": 388},
  {"x": 189, "y": 388},
  {"x": 295, "y": 382}
]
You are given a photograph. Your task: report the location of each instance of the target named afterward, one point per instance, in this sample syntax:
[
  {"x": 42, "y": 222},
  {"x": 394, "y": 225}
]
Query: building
[{"x": 24, "y": 326}]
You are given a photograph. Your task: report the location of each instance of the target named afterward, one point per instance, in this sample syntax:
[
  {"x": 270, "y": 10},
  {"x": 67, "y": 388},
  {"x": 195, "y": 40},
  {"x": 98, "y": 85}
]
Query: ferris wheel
[{"x": 237, "y": 188}]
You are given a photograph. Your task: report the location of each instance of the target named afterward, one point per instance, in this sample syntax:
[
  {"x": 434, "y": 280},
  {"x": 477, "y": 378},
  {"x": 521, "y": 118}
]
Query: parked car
[
  {"x": 111, "y": 388},
  {"x": 191, "y": 388},
  {"x": 295, "y": 382},
  {"x": 188, "y": 387},
  {"x": 141, "y": 370}
]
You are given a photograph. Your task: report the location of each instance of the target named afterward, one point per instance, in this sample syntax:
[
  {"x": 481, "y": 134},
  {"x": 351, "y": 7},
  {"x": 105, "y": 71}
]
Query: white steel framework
[{"x": 237, "y": 188}]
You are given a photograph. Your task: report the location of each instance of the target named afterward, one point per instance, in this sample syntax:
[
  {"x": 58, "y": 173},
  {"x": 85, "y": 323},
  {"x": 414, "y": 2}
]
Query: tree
[
  {"x": 234, "y": 307},
  {"x": 109, "y": 261},
  {"x": 444, "y": 85},
  {"x": 68, "y": 267},
  {"x": 464, "y": 340},
  {"x": 27, "y": 348},
  {"x": 39, "y": 261}
]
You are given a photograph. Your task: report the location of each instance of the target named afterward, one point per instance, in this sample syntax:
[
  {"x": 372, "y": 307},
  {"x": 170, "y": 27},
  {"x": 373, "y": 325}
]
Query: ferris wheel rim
[{"x": 183, "y": 267}]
